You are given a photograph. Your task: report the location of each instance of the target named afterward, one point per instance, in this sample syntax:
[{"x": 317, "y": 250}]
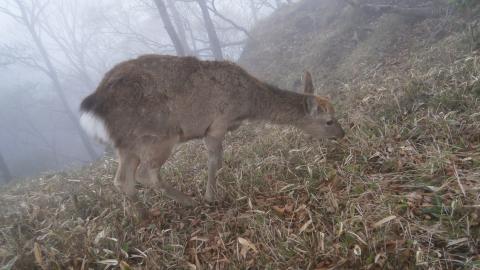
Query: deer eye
[{"x": 329, "y": 122}]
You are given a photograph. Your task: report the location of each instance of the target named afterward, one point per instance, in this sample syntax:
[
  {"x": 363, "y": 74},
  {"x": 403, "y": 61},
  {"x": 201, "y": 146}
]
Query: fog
[{"x": 53, "y": 53}]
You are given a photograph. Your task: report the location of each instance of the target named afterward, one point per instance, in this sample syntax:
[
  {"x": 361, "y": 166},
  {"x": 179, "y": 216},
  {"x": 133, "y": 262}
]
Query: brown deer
[{"x": 147, "y": 105}]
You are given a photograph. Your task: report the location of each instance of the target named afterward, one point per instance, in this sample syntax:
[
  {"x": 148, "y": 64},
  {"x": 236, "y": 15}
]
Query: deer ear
[
  {"x": 324, "y": 104},
  {"x": 307, "y": 78},
  {"x": 311, "y": 105}
]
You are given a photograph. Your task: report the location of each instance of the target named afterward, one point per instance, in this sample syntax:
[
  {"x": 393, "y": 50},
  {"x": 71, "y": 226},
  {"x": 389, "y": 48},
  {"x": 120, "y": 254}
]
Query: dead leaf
[
  {"x": 380, "y": 259},
  {"x": 37, "y": 252},
  {"x": 279, "y": 210},
  {"x": 191, "y": 266},
  {"x": 124, "y": 265},
  {"x": 357, "y": 250},
  {"x": 246, "y": 246},
  {"x": 99, "y": 236},
  {"x": 419, "y": 258}
]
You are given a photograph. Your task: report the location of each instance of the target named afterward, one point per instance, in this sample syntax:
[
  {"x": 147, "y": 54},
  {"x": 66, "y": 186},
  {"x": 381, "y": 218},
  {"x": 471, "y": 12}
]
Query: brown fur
[{"x": 151, "y": 103}]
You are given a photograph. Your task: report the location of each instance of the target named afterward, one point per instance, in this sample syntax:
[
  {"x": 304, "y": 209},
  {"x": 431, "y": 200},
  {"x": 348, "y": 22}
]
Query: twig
[{"x": 216, "y": 12}]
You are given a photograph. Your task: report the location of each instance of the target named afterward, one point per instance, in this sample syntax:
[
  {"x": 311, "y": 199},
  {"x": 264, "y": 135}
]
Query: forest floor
[{"x": 401, "y": 191}]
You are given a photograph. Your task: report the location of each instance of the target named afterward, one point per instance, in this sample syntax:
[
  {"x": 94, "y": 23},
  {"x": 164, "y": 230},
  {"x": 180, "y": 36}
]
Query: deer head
[{"x": 319, "y": 120}]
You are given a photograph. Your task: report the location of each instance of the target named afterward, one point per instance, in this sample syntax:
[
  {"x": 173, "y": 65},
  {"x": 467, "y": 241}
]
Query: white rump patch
[{"x": 95, "y": 127}]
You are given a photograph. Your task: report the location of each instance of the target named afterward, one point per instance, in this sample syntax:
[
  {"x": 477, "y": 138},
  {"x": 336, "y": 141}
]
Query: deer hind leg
[
  {"x": 156, "y": 155},
  {"x": 213, "y": 142},
  {"x": 125, "y": 177}
]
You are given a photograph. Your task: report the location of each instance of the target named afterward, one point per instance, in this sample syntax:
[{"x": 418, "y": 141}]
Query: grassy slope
[{"x": 400, "y": 192}]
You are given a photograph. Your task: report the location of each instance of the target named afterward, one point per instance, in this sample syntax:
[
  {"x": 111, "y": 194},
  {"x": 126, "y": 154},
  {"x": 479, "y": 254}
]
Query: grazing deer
[{"x": 147, "y": 105}]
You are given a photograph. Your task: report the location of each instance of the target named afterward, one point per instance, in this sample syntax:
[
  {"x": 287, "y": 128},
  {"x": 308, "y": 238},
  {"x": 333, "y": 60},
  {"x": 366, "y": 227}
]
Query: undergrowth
[{"x": 401, "y": 191}]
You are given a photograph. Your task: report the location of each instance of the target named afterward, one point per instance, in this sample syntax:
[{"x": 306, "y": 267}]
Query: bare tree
[
  {"x": 212, "y": 34},
  {"x": 234, "y": 24},
  {"x": 4, "y": 171},
  {"x": 167, "y": 23},
  {"x": 72, "y": 40},
  {"x": 29, "y": 17},
  {"x": 180, "y": 26},
  {"x": 254, "y": 10}
]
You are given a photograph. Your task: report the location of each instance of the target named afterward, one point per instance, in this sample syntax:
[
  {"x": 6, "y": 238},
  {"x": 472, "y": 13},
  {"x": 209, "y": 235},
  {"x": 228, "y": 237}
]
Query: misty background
[{"x": 54, "y": 53}]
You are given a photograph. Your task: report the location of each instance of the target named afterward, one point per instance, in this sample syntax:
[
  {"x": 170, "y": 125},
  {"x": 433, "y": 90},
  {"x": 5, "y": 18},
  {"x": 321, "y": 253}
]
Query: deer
[{"x": 146, "y": 106}]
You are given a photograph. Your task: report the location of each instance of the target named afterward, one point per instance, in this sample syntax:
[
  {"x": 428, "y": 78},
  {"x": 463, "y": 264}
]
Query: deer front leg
[{"x": 215, "y": 159}]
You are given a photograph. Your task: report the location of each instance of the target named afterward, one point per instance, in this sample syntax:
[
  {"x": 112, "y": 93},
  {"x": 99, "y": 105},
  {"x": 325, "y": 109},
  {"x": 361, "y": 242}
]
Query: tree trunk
[
  {"x": 4, "y": 171},
  {"x": 52, "y": 73},
  {"x": 167, "y": 23},
  {"x": 254, "y": 11},
  {"x": 192, "y": 37},
  {"x": 182, "y": 35},
  {"x": 212, "y": 34}
]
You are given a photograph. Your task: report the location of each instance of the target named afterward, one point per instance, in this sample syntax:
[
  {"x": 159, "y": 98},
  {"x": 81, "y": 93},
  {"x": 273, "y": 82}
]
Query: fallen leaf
[
  {"x": 419, "y": 257},
  {"x": 357, "y": 250},
  {"x": 279, "y": 210},
  {"x": 191, "y": 266},
  {"x": 380, "y": 259},
  {"x": 124, "y": 265},
  {"x": 37, "y": 252},
  {"x": 246, "y": 246},
  {"x": 99, "y": 236}
]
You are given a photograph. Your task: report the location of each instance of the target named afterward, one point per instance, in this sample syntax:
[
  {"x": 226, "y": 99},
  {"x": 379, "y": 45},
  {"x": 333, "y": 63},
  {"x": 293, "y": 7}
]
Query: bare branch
[
  {"x": 14, "y": 16},
  {"x": 215, "y": 11}
]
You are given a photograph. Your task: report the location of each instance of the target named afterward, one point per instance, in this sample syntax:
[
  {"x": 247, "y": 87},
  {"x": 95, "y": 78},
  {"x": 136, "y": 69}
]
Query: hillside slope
[
  {"x": 401, "y": 191},
  {"x": 341, "y": 44}
]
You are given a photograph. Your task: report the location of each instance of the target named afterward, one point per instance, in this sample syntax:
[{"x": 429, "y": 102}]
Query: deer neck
[{"x": 278, "y": 106}]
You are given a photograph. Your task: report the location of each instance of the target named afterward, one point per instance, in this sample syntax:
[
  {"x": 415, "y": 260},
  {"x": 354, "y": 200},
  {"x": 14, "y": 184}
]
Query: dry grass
[{"x": 402, "y": 191}]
